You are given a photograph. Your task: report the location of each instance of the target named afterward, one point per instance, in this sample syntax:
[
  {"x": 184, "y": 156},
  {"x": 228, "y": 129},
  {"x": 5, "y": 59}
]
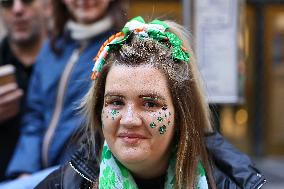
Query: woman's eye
[
  {"x": 150, "y": 104},
  {"x": 116, "y": 103}
]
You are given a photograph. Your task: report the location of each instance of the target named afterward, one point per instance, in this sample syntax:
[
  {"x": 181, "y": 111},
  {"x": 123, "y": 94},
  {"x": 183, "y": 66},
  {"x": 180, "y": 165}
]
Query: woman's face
[
  {"x": 138, "y": 118},
  {"x": 87, "y": 11}
]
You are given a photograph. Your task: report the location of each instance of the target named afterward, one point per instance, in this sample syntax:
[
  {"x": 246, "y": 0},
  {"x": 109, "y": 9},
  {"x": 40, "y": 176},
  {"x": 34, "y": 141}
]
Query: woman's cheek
[
  {"x": 160, "y": 121},
  {"x": 109, "y": 115}
]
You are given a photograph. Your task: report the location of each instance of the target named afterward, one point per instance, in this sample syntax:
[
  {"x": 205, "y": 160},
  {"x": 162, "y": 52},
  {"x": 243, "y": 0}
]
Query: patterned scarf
[{"x": 113, "y": 175}]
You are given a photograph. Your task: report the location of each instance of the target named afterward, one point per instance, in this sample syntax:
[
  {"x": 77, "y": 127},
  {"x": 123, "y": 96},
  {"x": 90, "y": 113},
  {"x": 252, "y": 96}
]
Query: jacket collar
[{"x": 86, "y": 166}]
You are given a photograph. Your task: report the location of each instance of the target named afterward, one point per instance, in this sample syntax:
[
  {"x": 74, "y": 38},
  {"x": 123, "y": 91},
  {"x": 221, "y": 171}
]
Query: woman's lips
[{"x": 131, "y": 138}]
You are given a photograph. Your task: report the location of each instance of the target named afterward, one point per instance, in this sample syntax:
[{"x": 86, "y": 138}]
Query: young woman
[{"x": 147, "y": 117}]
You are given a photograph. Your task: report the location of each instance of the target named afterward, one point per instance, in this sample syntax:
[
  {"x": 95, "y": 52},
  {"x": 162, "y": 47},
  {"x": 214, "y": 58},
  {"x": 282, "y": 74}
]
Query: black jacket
[
  {"x": 232, "y": 170},
  {"x": 10, "y": 129}
]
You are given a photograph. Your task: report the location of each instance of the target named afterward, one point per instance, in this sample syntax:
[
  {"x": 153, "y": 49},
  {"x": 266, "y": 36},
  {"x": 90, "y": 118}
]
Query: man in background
[{"x": 25, "y": 22}]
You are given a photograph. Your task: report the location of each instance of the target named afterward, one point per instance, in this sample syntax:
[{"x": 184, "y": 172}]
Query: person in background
[
  {"x": 147, "y": 120},
  {"x": 26, "y": 30},
  {"x": 58, "y": 81}
]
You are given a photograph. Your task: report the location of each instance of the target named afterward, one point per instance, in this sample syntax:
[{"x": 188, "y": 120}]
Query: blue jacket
[{"x": 53, "y": 96}]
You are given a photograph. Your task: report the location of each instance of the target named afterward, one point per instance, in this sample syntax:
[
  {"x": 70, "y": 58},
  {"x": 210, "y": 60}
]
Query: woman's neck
[
  {"x": 153, "y": 183},
  {"x": 149, "y": 171}
]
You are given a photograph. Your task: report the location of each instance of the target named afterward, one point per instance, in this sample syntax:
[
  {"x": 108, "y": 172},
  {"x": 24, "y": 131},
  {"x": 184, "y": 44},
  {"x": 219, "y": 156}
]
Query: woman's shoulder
[
  {"x": 232, "y": 167},
  {"x": 52, "y": 181},
  {"x": 66, "y": 177},
  {"x": 80, "y": 172}
]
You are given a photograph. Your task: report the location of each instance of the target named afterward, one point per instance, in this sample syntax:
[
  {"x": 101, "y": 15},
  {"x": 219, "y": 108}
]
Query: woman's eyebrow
[
  {"x": 113, "y": 94},
  {"x": 152, "y": 96}
]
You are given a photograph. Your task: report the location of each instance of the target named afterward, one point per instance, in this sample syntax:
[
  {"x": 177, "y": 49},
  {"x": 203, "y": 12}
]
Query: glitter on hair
[{"x": 148, "y": 51}]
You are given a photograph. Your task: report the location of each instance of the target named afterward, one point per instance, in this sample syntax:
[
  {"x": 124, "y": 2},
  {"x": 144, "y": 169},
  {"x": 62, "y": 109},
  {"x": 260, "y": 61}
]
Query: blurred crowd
[{"x": 45, "y": 55}]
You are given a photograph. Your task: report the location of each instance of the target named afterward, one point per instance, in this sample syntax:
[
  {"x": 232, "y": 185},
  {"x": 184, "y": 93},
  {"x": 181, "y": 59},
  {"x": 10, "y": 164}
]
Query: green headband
[{"x": 156, "y": 29}]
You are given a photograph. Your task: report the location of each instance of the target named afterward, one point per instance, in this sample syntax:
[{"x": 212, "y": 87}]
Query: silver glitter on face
[
  {"x": 149, "y": 52},
  {"x": 138, "y": 94}
]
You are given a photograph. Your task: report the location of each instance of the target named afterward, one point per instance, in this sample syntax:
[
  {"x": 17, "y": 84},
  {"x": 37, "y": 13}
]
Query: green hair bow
[{"x": 156, "y": 29}]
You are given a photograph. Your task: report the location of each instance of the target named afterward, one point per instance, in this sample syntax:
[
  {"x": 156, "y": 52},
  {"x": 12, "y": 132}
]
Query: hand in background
[
  {"x": 24, "y": 175},
  {"x": 10, "y": 96}
]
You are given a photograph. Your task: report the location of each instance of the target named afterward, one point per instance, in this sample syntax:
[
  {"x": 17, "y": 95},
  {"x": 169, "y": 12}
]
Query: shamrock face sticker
[{"x": 161, "y": 120}]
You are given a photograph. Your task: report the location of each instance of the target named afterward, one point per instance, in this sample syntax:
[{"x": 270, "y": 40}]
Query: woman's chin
[
  {"x": 131, "y": 157},
  {"x": 131, "y": 153}
]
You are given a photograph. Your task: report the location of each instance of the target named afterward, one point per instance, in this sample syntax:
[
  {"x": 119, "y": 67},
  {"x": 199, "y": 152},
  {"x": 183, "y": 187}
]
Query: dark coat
[
  {"x": 10, "y": 129},
  {"x": 232, "y": 169}
]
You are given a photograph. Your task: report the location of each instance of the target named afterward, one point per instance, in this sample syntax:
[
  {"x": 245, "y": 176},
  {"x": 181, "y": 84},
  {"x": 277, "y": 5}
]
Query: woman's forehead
[{"x": 143, "y": 79}]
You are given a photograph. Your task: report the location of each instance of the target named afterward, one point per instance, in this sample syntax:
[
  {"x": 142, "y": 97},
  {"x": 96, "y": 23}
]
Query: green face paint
[
  {"x": 162, "y": 129},
  {"x": 149, "y": 98},
  {"x": 163, "y": 120},
  {"x": 114, "y": 113},
  {"x": 160, "y": 119},
  {"x": 152, "y": 125}
]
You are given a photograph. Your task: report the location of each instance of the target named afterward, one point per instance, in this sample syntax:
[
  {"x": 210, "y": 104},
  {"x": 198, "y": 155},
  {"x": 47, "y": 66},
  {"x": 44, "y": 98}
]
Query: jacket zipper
[
  {"x": 81, "y": 174},
  {"x": 261, "y": 183},
  {"x": 58, "y": 105}
]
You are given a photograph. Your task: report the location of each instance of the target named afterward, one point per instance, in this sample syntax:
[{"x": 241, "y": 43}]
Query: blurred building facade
[
  {"x": 256, "y": 123},
  {"x": 265, "y": 23}
]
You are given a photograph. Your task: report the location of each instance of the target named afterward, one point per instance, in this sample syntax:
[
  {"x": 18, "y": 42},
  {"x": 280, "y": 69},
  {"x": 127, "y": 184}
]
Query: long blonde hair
[{"x": 191, "y": 110}]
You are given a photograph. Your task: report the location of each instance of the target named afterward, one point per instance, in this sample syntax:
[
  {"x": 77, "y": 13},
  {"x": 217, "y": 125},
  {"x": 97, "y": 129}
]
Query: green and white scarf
[{"x": 113, "y": 175}]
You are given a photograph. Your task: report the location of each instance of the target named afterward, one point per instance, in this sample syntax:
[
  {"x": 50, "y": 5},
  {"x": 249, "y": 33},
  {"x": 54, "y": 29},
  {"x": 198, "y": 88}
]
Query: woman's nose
[{"x": 130, "y": 117}]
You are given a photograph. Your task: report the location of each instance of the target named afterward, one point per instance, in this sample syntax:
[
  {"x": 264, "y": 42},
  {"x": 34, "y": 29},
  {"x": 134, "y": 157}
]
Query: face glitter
[
  {"x": 149, "y": 98},
  {"x": 164, "y": 108},
  {"x": 162, "y": 129},
  {"x": 139, "y": 93},
  {"x": 114, "y": 113},
  {"x": 152, "y": 125},
  {"x": 160, "y": 119}
]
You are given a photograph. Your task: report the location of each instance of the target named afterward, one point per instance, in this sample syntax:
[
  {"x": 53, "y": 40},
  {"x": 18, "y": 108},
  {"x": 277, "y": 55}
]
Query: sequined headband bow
[{"x": 155, "y": 29}]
